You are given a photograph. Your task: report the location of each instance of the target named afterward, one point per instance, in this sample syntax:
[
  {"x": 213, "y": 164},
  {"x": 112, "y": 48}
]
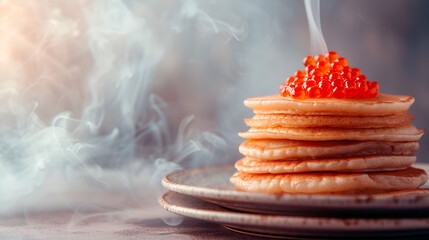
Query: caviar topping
[{"x": 328, "y": 76}]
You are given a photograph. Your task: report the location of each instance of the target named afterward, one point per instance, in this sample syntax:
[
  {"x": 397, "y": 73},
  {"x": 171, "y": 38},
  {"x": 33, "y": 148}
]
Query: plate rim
[
  {"x": 285, "y": 222},
  {"x": 302, "y": 200}
]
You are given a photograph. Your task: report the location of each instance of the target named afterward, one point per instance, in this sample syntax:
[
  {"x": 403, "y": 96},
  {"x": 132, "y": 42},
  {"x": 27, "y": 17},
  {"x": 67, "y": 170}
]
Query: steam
[
  {"x": 318, "y": 44},
  {"x": 79, "y": 120},
  {"x": 104, "y": 98}
]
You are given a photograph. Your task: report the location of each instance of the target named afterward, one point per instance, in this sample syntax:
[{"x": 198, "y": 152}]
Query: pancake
[
  {"x": 352, "y": 164},
  {"x": 270, "y": 149},
  {"x": 382, "y": 105},
  {"x": 330, "y": 182},
  {"x": 303, "y": 121},
  {"x": 404, "y": 133}
]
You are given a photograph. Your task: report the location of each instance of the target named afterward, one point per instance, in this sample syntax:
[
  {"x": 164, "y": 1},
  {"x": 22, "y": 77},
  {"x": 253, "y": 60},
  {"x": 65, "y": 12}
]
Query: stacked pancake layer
[{"x": 329, "y": 146}]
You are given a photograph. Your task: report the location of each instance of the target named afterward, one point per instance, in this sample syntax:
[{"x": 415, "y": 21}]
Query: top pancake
[{"x": 382, "y": 105}]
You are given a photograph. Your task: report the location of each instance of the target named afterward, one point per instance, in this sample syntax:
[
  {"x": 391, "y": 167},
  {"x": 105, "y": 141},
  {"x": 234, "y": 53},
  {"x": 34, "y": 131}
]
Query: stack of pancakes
[{"x": 329, "y": 145}]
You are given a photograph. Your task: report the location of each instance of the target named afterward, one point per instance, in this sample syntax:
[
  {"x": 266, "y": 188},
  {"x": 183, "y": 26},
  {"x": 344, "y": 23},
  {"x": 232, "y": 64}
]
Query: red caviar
[{"x": 328, "y": 76}]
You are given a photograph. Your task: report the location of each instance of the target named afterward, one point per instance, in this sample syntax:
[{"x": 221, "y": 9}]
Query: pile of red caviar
[{"x": 328, "y": 76}]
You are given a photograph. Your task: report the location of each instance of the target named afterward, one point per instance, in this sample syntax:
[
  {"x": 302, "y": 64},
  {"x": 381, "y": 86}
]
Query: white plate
[
  {"x": 212, "y": 184},
  {"x": 296, "y": 227}
]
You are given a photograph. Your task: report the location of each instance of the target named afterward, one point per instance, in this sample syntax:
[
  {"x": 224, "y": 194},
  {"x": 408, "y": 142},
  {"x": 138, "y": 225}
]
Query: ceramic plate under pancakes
[
  {"x": 296, "y": 227},
  {"x": 212, "y": 184}
]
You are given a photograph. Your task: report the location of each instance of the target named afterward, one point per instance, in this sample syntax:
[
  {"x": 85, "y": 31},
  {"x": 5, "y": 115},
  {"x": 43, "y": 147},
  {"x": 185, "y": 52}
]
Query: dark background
[{"x": 387, "y": 40}]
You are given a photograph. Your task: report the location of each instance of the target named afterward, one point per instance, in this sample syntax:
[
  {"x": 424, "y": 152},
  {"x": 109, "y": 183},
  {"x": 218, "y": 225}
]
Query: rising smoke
[
  {"x": 103, "y": 98},
  {"x": 318, "y": 44}
]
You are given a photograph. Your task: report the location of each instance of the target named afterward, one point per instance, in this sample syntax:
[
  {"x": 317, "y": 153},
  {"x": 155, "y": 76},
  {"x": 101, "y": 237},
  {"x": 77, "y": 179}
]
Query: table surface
[{"x": 61, "y": 225}]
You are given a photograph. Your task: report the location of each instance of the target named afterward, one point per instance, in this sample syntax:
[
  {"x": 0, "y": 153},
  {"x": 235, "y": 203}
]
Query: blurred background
[{"x": 106, "y": 97}]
